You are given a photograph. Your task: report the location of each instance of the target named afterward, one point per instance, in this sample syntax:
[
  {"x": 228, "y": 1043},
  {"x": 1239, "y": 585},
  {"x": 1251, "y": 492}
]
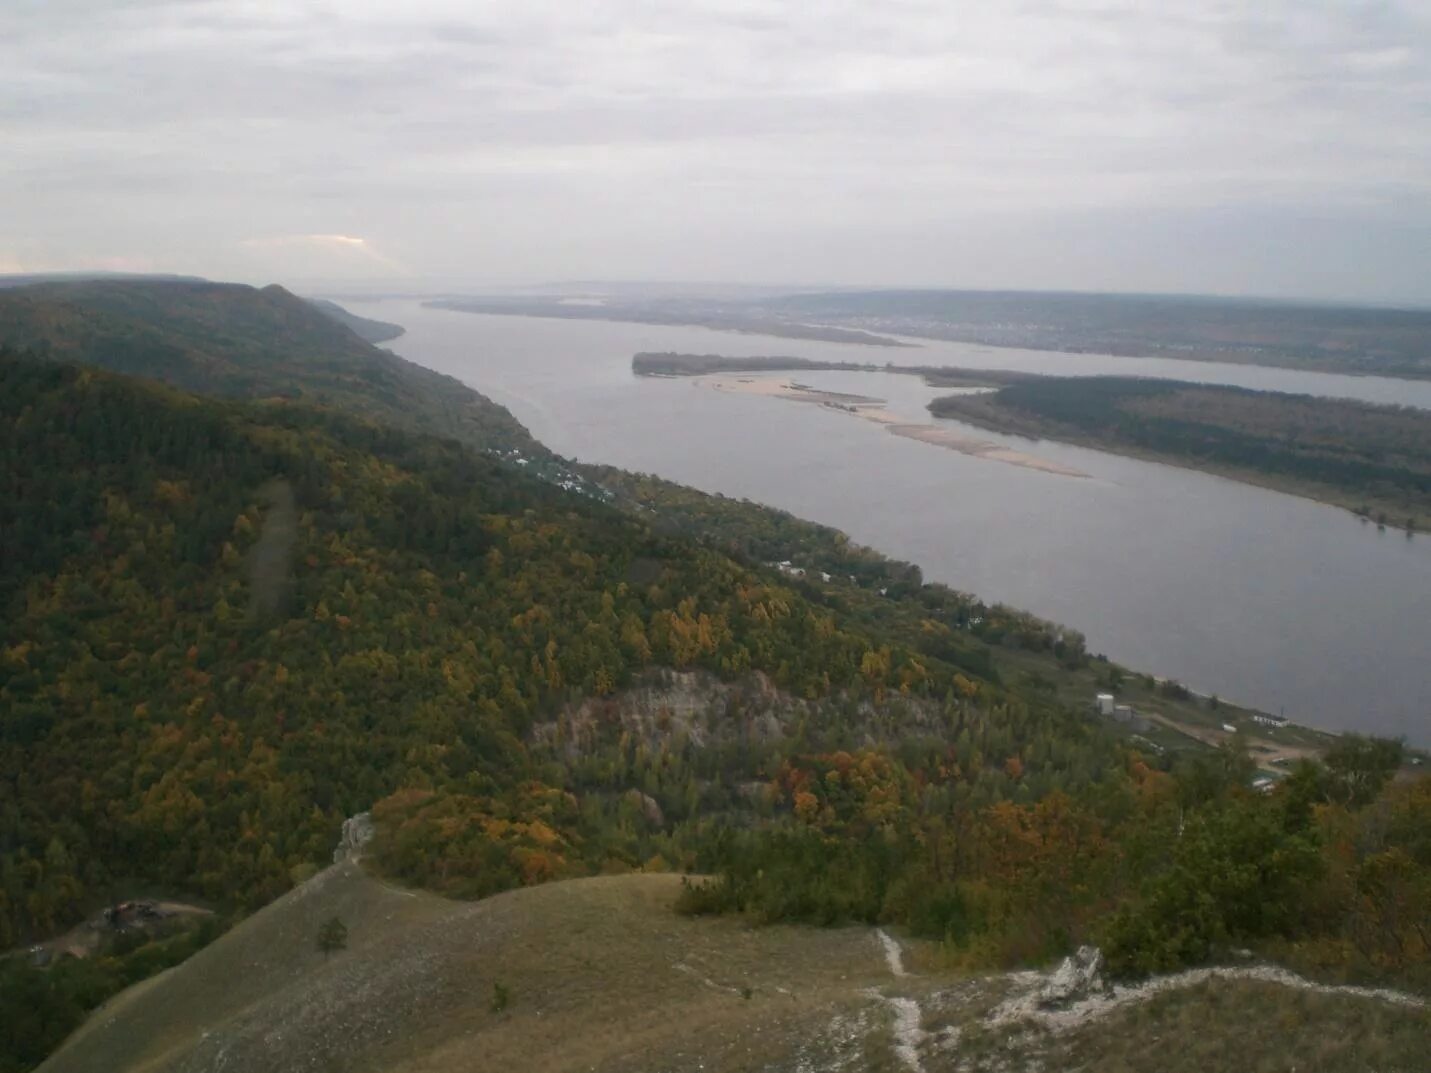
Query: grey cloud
[{"x": 844, "y": 142}]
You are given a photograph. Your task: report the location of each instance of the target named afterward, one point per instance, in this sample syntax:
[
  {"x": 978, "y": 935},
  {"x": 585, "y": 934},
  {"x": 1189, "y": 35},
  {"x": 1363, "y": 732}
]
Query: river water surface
[{"x": 1263, "y": 598}]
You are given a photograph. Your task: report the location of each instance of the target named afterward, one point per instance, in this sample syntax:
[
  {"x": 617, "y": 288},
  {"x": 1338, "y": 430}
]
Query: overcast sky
[{"x": 1279, "y": 147}]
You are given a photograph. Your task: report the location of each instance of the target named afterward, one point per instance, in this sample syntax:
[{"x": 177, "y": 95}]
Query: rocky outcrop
[
  {"x": 1078, "y": 976},
  {"x": 670, "y": 709},
  {"x": 648, "y": 806},
  {"x": 357, "y": 832}
]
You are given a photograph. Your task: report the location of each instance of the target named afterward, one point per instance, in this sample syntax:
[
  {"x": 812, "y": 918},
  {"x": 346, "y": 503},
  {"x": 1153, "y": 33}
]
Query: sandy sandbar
[
  {"x": 872, "y": 409},
  {"x": 785, "y": 389},
  {"x": 994, "y": 452}
]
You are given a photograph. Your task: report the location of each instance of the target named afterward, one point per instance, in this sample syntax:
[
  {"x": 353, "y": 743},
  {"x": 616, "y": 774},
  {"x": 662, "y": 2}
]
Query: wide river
[{"x": 1262, "y": 598}]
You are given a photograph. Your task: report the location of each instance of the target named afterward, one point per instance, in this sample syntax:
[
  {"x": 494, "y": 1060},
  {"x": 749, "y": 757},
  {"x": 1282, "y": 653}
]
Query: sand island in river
[{"x": 872, "y": 409}]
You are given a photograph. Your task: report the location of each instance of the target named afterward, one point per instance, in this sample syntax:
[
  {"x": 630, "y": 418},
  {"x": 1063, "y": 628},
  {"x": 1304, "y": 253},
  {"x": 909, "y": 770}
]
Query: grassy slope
[
  {"x": 234, "y": 341},
  {"x": 603, "y": 976},
  {"x": 593, "y": 967}
]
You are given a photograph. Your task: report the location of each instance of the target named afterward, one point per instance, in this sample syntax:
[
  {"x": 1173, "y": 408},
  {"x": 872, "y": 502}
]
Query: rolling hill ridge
[{"x": 235, "y": 341}]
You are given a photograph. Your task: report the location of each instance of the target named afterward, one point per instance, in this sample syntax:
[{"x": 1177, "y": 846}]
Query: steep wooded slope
[{"x": 235, "y": 341}]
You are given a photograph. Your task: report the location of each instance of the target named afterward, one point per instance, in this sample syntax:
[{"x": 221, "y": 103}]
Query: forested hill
[
  {"x": 365, "y": 328},
  {"x": 236, "y": 341},
  {"x": 226, "y": 626}
]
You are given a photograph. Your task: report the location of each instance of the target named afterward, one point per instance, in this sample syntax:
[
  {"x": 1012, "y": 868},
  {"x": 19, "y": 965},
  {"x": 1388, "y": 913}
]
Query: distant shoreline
[
  {"x": 1340, "y": 339},
  {"x": 628, "y": 315}
]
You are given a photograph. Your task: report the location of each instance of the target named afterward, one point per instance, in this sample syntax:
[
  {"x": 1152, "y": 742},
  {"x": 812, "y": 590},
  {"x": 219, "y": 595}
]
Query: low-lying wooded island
[
  {"x": 670, "y": 363},
  {"x": 1373, "y": 460}
]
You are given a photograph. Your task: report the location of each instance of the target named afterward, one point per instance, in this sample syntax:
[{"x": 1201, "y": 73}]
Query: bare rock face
[
  {"x": 1076, "y": 978},
  {"x": 358, "y": 831},
  {"x": 650, "y": 808}
]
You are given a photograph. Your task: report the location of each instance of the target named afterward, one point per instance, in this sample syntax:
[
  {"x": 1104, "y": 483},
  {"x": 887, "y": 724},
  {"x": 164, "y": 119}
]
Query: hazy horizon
[
  {"x": 375, "y": 289},
  {"x": 1070, "y": 145}
]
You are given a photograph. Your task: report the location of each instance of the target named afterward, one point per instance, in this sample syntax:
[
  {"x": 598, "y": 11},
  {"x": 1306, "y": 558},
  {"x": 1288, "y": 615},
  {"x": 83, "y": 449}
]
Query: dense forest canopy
[{"x": 180, "y": 708}]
